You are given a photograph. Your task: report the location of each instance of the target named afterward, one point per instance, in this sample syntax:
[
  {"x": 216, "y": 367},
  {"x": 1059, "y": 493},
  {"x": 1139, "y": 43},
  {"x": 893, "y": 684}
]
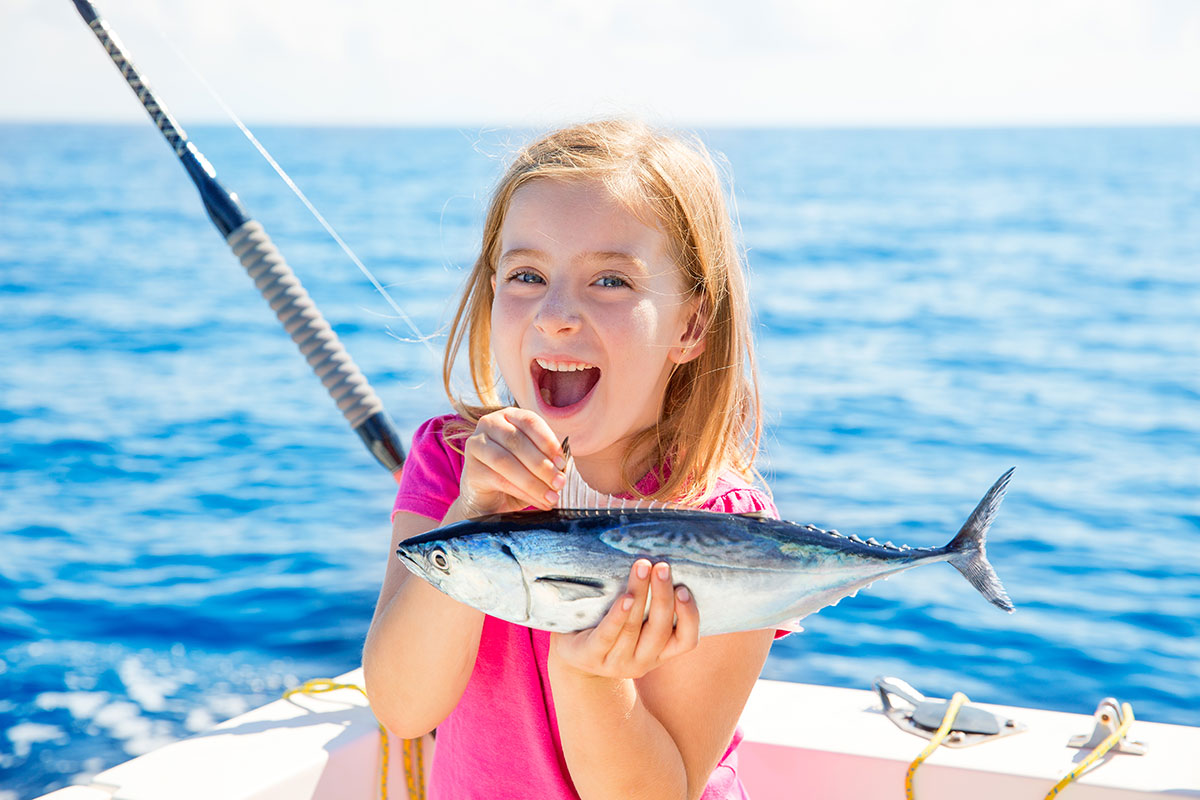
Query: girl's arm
[
  {"x": 646, "y": 710},
  {"x": 421, "y": 647}
]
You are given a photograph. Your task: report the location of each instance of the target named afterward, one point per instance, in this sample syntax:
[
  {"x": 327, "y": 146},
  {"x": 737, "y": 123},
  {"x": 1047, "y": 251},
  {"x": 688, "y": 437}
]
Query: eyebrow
[{"x": 602, "y": 256}]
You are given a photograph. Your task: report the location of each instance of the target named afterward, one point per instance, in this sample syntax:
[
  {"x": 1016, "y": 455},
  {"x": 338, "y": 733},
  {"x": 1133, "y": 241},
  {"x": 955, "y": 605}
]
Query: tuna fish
[{"x": 561, "y": 570}]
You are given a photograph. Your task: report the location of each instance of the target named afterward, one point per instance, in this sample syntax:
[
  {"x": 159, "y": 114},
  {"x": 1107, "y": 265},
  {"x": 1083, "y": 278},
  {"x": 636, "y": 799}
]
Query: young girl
[{"x": 609, "y": 294}]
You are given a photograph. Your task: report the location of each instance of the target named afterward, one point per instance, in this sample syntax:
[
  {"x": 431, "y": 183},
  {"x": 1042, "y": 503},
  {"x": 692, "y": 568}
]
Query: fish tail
[{"x": 967, "y": 550}]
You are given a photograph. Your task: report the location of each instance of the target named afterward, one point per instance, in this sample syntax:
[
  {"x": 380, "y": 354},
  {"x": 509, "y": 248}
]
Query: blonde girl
[{"x": 608, "y": 301}]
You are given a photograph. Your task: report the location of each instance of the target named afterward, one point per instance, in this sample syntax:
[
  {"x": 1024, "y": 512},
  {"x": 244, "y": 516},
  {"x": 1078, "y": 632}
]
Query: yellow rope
[
  {"x": 412, "y": 748},
  {"x": 952, "y": 708},
  {"x": 1101, "y": 749}
]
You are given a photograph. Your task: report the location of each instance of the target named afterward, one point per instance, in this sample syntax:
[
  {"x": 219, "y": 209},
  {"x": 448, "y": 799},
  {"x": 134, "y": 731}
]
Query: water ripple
[{"x": 189, "y": 528}]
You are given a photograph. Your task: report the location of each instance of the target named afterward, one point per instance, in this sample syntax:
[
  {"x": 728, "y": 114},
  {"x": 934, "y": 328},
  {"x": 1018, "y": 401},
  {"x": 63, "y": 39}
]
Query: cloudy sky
[{"x": 701, "y": 62}]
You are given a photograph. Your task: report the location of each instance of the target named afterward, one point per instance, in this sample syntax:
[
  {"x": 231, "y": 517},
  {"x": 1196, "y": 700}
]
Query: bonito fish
[{"x": 561, "y": 570}]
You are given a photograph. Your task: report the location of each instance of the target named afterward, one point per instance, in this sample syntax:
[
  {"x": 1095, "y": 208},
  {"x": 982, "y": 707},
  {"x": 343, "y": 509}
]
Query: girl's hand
[
  {"x": 513, "y": 460},
  {"x": 627, "y": 643}
]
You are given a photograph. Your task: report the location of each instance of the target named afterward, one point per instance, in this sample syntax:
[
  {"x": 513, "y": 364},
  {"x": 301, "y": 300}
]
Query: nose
[{"x": 558, "y": 313}]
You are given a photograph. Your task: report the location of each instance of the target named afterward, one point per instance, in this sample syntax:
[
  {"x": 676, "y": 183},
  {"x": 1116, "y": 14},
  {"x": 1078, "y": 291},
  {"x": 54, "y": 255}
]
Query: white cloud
[{"x": 525, "y": 61}]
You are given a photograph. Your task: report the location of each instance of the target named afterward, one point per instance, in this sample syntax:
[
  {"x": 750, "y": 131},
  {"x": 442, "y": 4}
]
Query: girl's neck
[{"x": 603, "y": 471}]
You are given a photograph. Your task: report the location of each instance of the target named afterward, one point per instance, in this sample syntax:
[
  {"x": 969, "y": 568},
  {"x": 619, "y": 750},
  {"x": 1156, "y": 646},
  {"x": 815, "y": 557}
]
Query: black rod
[{"x": 266, "y": 266}]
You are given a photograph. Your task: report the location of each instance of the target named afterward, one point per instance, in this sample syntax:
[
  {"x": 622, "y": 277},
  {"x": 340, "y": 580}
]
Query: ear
[{"x": 691, "y": 343}]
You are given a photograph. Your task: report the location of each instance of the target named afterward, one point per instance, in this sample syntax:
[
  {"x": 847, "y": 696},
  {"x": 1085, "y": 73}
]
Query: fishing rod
[{"x": 265, "y": 265}]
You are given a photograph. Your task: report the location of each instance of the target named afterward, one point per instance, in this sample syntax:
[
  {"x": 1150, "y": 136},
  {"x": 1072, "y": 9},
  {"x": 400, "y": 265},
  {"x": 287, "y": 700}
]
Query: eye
[
  {"x": 524, "y": 276},
  {"x": 611, "y": 282},
  {"x": 438, "y": 557}
]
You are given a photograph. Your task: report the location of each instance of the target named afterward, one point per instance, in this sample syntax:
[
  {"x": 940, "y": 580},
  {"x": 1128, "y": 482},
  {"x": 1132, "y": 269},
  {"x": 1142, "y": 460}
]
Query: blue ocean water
[{"x": 188, "y": 527}]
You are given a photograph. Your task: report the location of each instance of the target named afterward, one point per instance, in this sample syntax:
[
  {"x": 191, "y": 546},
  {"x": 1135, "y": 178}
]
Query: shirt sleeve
[
  {"x": 429, "y": 482},
  {"x": 733, "y": 499}
]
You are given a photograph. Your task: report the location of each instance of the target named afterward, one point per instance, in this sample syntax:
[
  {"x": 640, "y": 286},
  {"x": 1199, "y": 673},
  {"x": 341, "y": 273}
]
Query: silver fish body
[{"x": 562, "y": 570}]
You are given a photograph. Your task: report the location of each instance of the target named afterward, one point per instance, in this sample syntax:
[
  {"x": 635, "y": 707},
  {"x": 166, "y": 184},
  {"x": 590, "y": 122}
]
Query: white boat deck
[{"x": 802, "y": 741}]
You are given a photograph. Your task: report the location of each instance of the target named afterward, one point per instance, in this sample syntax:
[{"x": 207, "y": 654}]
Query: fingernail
[
  {"x": 662, "y": 572},
  {"x": 560, "y": 462},
  {"x": 558, "y": 480},
  {"x": 683, "y": 594},
  {"x": 627, "y": 603},
  {"x": 551, "y": 497},
  {"x": 643, "y": 570}
]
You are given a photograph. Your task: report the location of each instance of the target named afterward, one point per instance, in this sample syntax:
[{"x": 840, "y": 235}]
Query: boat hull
[{"x": 802, "y": 740}]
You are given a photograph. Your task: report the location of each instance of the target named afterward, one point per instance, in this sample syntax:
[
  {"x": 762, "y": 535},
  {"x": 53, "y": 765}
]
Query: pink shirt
[{"x": 502, "y": 740}]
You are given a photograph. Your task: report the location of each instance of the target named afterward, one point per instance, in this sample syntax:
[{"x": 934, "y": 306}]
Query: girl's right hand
[{"x": 512, "y": 461}]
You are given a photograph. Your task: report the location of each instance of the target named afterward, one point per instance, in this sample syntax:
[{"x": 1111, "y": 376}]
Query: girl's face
[{"x": 589, "y": 315}]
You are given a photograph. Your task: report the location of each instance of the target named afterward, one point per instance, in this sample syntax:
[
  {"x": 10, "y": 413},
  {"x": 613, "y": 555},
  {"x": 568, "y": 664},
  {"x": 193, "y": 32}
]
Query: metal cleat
[
  {"x": 1108, "y": 719},
  {"x": 924, "y": 716}
]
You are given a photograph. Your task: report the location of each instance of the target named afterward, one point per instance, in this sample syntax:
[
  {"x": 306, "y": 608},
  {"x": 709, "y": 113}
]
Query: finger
[
  {"x": 499, "y": 483},
  {"x": 490, "y": 470},
  {"x": 631, "y": 629},
  {"x": 530, "y": 440},
  {"x": 657, "y": 630},
  {"x": 538, "y": 431},
  {"x": 602, "y": 638},
  {"x": 510, "y": 471},
  {"x": 687, "y": 625}
]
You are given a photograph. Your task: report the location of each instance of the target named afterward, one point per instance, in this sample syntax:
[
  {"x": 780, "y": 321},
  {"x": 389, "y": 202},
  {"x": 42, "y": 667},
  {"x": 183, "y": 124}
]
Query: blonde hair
[{"x": 710, "y": 417}]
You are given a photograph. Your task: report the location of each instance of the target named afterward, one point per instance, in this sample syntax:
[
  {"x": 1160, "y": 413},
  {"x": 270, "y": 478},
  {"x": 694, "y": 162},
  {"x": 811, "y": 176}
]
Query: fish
[{"x": 561, "y": 570}]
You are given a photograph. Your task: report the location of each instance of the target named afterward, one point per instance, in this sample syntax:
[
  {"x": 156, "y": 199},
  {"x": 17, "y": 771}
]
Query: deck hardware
[
  {"x": 923, "y": 716},
  {"x": 1108, "y": 718}
]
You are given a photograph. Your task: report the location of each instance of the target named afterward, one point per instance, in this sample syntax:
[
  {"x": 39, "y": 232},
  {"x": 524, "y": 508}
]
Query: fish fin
[
  {"x": 571, "y": 588},
  {"x": 576, "y": 495},
  {"x": 968, "y": 553}
]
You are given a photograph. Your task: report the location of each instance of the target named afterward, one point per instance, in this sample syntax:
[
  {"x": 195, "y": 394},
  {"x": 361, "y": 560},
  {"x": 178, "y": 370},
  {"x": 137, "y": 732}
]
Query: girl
[{"x": 609, "y": 294}]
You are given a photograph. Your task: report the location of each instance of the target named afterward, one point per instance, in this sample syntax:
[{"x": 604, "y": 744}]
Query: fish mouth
[
  {"x": 563, "y": 384},
  {"x": 409, "y": 561}
]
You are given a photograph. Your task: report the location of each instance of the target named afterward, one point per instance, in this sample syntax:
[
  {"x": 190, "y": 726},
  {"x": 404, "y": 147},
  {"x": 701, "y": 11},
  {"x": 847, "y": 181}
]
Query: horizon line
[{"x": 537, "y": 124}]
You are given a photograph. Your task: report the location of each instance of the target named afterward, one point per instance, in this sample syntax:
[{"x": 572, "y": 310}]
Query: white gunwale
[{"x": 802, "y": 741}]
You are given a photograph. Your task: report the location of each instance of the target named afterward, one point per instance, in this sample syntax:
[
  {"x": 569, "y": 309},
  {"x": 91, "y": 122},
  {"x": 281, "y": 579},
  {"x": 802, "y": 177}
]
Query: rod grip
[{"x": 318, "y": 343}]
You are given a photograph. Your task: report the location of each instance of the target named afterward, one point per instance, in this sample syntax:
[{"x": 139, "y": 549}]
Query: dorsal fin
[{"x": 577, "y": 495}]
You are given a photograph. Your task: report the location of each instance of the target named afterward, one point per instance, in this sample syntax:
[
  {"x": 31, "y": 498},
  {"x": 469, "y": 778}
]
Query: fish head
[{"x": 480, "y": 570}]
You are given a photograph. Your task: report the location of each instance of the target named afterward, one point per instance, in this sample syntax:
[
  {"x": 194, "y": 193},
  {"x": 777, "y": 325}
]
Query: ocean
[{"x": 188, "y": 527}]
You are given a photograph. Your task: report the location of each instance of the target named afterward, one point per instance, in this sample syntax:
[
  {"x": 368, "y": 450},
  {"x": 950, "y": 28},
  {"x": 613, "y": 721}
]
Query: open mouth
[{"x": 562, "y": 384}]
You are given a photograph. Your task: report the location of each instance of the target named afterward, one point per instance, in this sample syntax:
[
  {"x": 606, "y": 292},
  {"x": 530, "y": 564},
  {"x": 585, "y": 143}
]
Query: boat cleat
[
  {"x": 923, "y": 716},
  {"x": 1108, "y": 719}
]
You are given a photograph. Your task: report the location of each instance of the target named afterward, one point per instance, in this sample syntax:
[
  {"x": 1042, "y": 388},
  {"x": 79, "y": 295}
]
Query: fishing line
[
  {"x": 287, "y": 179},
  {"x": 266, "y": 266}
]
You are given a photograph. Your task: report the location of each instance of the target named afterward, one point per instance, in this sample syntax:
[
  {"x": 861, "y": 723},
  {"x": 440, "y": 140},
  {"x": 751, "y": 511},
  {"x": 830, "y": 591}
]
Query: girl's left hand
[{"x": 628, "y": 643}]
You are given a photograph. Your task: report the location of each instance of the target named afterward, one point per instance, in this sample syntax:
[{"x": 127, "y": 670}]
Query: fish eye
[{"x": 438, "y": 557}]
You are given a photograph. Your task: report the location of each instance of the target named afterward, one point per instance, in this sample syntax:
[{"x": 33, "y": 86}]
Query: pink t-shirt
[{"x": 502, "y": 740}]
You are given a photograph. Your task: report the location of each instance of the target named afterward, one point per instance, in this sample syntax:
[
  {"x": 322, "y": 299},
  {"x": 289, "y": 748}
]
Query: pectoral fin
[{"x": 569, "y": 588}]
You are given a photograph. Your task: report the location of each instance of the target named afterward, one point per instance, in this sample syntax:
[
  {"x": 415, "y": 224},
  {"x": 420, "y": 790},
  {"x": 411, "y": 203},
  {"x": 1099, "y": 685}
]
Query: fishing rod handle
[
  {"x": 274, "y": 278},
  {"x": 318, "y": 342}
]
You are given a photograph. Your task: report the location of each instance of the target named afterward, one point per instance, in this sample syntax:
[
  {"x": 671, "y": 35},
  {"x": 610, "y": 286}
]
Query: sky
[{"x": 690, "y": 62}]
